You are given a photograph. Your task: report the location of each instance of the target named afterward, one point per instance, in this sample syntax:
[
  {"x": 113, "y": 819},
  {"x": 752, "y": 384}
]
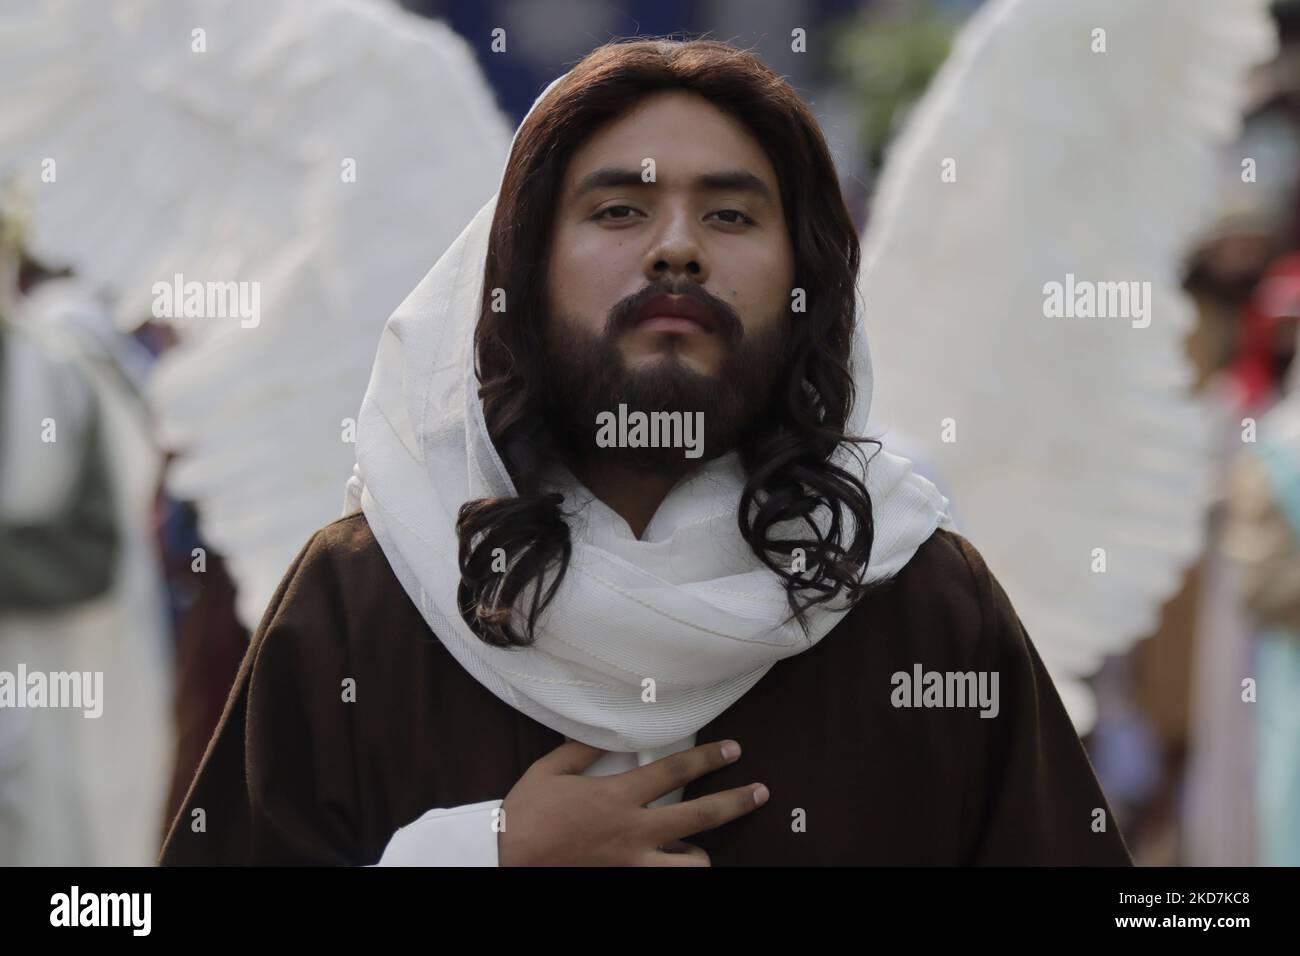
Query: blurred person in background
[
  {"x": 79, "y": 587},
  {"x": 59, "y": 543},
  {"x": 1245, "y": 345},
  {"x": 1262, "y": 539}
]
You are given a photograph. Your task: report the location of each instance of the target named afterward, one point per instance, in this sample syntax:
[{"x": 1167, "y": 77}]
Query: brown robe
[{"x": 295, "y": 775}]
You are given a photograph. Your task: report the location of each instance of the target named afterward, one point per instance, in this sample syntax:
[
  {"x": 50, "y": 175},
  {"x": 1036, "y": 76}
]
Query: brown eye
[
  {"x": 601, "y": 214},
  {"x": 744, "y": 219}
]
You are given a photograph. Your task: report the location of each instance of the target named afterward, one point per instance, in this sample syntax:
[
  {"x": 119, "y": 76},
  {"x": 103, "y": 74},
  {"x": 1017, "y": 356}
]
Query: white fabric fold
[
  {"x": 458, "y": 836},
  {"x": 647, "y": 640}
]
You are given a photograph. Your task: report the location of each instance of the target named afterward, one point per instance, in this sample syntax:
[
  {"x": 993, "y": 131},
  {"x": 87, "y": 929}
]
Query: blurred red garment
[{"x": 1266, "y": 334}]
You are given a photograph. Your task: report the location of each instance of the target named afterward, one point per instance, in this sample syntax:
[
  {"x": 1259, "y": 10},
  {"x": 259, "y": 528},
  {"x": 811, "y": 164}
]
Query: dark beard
[{"x": 588, "y": 376}]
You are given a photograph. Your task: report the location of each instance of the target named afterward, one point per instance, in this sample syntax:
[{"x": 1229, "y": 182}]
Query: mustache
[{"x": 725, "y": 319}]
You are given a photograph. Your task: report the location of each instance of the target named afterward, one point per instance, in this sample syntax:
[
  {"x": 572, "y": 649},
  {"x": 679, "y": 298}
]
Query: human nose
[{"x": 676, "y": 250}]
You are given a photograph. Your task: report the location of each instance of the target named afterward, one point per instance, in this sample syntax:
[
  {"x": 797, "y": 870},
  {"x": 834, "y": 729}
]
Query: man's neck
[{"x": 634, "y": 493}]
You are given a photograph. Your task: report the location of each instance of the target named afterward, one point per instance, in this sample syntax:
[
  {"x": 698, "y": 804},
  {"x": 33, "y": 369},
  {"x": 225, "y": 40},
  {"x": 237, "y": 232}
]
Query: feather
[
  {"x": 1062, "y": 441},
  {"x": 326, "y": 150}
]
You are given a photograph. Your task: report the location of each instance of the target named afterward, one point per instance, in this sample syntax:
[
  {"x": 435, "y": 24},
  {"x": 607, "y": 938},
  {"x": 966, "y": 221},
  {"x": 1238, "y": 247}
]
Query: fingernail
[
  {"x": 730, "y": 750},
  {"x": 760, "y": 795}
]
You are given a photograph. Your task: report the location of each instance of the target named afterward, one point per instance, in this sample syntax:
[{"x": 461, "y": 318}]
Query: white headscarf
[{"x": 647, "y": 640}]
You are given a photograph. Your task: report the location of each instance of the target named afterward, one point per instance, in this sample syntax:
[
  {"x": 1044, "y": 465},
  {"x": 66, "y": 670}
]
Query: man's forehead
[
  {"x": 686, "y": 154},
  {"x": 738, "y": 179}
]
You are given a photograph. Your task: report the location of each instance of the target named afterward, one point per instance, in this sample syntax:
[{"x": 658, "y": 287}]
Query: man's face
[{"x": 710, "y": 229}]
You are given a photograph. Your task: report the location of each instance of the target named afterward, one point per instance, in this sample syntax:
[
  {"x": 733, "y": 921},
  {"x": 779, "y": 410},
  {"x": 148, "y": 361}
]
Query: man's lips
[
  {"x": 674, "y": 313},
  {"x": 671, "y": 323}
]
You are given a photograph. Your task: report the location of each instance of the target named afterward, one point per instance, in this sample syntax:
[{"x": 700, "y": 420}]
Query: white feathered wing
[
  {"x": 1059, "y": 440},
  {"x": 326, "y": 150}
]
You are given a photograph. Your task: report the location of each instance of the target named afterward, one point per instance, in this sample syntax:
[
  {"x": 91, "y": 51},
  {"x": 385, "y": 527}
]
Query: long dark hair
[{"x": 786, "y": 457}]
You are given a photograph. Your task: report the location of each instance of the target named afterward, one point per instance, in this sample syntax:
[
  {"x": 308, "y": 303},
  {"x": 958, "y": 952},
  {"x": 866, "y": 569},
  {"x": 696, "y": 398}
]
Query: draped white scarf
[{"x": 647, "y": 640}]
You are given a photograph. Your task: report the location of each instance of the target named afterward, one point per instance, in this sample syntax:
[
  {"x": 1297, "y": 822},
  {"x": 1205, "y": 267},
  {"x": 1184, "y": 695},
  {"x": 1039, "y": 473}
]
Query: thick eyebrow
[{"x": 735, "y": 180}]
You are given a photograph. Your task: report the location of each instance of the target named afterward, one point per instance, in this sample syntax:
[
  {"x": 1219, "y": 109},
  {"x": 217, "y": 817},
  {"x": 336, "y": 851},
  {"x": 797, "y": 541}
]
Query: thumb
[{"x": 572, "y": 756}]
